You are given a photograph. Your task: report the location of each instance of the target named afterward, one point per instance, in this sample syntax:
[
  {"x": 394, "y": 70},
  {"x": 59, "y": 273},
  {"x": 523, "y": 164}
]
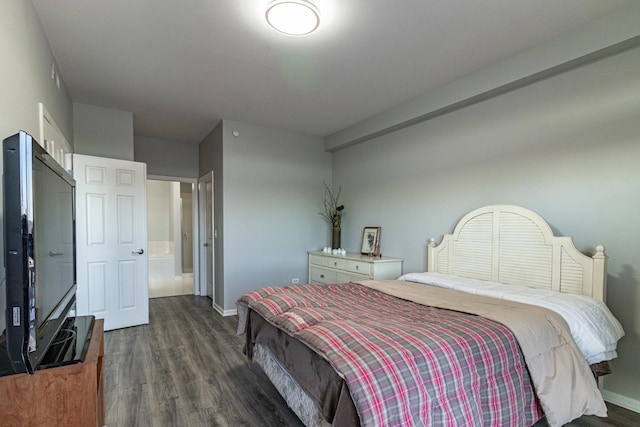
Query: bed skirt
[
  {"x": 299, "y": 401},
  {"x": 308, "y": 383}
]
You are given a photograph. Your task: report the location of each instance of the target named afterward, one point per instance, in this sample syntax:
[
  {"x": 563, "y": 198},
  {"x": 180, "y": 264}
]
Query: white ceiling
[{"x": 180, "y": 66}]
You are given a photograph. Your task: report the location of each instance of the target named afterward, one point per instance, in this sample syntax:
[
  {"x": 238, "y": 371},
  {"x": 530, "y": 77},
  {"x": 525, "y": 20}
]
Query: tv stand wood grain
[{"x": 71, "y": 395}]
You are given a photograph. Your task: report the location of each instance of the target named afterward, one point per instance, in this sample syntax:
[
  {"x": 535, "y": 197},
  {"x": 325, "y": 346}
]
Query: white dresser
[{"x": 326, "y": 268}]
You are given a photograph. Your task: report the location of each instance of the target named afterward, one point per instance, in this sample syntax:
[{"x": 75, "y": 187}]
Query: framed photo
[{"x": 370, "y": 241}]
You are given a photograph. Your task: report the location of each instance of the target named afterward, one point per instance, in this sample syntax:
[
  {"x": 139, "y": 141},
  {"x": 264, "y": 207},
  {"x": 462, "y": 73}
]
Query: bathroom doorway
[{"x": 170, "y": 237}]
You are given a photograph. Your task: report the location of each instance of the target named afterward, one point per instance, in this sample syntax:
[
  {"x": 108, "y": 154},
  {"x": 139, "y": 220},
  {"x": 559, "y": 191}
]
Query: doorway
[
  {"x": 170, "y": 235},
  {"x": 208, "y": 235}
]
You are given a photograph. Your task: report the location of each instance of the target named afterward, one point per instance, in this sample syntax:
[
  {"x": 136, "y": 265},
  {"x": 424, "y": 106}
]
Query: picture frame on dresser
[{"x": 370, "y": 241}]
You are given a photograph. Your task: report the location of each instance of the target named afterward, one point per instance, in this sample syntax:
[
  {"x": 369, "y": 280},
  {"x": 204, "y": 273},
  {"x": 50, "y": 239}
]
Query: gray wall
[
  {"x": 167, "y": 158},
  {"x": 25, "y": 81},
  {"x": 567, "y": 148},
  {"x": 272, "y": 191},
  {"x": 25, "y": 75},
  {"x": 103, "y": 132},
  {"x": 210, "y": 153}
]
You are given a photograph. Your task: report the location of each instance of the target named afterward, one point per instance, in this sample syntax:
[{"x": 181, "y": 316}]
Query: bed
[{"x": 468, "y": 342}]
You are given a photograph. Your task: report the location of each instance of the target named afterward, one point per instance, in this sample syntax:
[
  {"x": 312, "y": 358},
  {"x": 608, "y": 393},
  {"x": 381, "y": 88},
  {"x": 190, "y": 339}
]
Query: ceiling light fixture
[{"x": 293, "y": 17}]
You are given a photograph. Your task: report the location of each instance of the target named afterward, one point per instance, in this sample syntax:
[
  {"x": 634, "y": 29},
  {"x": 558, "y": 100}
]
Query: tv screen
[
  {"x": 53, "y": 240},
  {"x": 39, "y": 251}
]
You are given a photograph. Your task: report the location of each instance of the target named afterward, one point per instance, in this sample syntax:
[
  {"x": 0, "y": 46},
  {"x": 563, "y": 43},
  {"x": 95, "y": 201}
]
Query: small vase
[{"x": 335, "y": 238}]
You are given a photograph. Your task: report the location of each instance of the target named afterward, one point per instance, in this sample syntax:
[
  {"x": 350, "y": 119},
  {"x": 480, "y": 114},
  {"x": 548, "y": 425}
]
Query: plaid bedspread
[{"x": 404, "y": 363}]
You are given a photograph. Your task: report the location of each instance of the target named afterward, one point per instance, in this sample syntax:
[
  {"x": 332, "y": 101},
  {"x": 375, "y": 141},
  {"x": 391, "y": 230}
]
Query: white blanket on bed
[{"x": 593, "y": 328}]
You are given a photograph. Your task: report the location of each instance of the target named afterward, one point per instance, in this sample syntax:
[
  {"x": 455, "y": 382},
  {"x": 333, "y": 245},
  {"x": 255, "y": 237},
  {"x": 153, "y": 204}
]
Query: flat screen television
[{"x": 39, "y": 252}]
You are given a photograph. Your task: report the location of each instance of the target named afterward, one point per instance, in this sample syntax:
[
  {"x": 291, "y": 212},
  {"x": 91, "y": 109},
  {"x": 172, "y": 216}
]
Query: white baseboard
[
  {"x": 620, "y": 400},
  {"x": 225, "y": 313},
  {"x": 230, "y": 312}
]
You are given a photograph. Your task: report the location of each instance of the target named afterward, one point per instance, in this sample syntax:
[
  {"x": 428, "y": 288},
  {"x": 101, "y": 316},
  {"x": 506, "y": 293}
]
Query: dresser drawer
[
  {"x": 318, "y": 260},
  {"x": 322, "y": 275},
  {"x": 359, "y": 267},
  {"x": 338, "y": 263}
]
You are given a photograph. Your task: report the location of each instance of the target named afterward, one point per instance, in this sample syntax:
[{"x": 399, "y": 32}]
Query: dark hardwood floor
[{"x": 186, "y": 368}]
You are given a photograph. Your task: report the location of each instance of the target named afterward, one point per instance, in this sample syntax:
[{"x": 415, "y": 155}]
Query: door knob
[{"x": 138, "y": 252}]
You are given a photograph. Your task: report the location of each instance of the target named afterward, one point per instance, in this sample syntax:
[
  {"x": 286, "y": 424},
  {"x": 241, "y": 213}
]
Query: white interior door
[
  {"x": 208, "y": 234},
  {"x": 111, "y": 240}
]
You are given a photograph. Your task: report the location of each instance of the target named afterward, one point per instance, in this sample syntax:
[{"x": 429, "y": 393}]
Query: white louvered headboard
[{"x": 513, "y": 245}]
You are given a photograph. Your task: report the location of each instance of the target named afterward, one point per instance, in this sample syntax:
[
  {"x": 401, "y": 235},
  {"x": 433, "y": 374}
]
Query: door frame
[
  {"x": 195, "y": 221},
  {"x": 202, "y": 251}
]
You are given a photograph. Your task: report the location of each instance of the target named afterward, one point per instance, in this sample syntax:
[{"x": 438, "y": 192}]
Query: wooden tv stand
[{"x": 71, "y": 395}]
